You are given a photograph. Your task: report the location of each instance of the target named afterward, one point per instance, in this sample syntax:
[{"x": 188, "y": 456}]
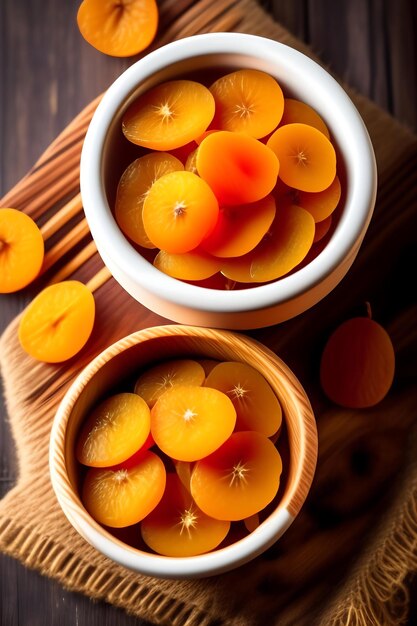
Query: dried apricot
[
  {"x": 323, "y": 203},
  {"x": 122, "y": 497},
  {"x": 296, "y": 111},
  {"x": 238, "y": 168},
  {"x": 189, "y": 422},
  {"x": 169, "y": 115},
  {"x": 257, "y": 407},
  {"x": 247, "y": 101},
  {"x": 21, "y": 250},
  {"x": 239, "y": 479},
  {"x": 239, "y": 229},
  {"x": 134, "y": 186},
  {"x": 358, "y": 363},
  {"x": 179, "y": 211},
  {"x": 120, "y": 28},
  {"x": 307, "y": 158},
  {"x": 322, "y": 228},
  {"x": 116, "y": 429},
  {"x": 157, "y": 379},
  {"x": 177, "y": 527},
  {"x": 194, "y": 265},
  {"x": 284, "y": 246},
  {"x": 58, "y": 322}
]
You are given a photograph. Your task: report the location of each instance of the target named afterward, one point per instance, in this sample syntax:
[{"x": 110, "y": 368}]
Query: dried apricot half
[
  {"x": 120, "y": 28},
  {"x": 157, "y": 379},
  {"x": 239, "y": 479},
  {"x": 179, "y": 211},
  {"x": 178, "y": 528},
  {"x": 169, "y": 115},
  {"x": 134, "y": 186},
  {"x": 21, "y": 250},
  {"x": 247, "y": 101},
  {"x": 238, "y": 168},
  {"x": 296, "y": 111},
  {"x": 122, "y": 497},
  {"x": 284, "y": 246},
  {"x": 116, "y": 429},
  {"x": 257, "y": 407},
  {"x": 194, "y": 265},
  {"x": 58, "y": 322},
  {"x": 189, "y": 422},
  {"x": 307, "y": 158}
]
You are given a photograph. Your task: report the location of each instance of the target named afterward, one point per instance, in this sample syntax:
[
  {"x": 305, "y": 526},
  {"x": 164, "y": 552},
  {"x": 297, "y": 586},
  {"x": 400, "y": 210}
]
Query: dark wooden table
[{"x": 48, "y": 73}]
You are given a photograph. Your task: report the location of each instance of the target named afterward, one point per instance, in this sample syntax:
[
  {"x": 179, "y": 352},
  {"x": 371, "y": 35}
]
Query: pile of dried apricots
[
  {"x": 237, "y": 180},
  {"x": 190, "y": 451}
]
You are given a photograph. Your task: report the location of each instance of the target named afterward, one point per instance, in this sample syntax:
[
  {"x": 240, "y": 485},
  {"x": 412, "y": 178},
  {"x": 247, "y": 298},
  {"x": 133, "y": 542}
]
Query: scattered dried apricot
[
  {"x": 120, "y": 28},
  {"x": 358, "y": 363},
  {"x": 58, "y": 322},
  {"x": 21, "y": 250}
]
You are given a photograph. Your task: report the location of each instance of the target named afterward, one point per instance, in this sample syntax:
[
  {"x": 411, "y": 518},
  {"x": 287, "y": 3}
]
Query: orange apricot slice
[
  {"x": 122, "y": 497},
  {"x": 239, "y": 168},
  {"x": 307, "y": 158},
  {"x": 21, "y": 250},
  {"x": 157, "y": 379},
  {"x": 58, "y": 322},
  {"x": 179, "y": 211},
  {"x": 134, "y": 185},
  {"x": 169, "y": 115},
  {"x": 177, "y": 528},
  {"x": 194, "y": 265},
  {"x": 116, "y": 429},
  {"x": 322, "y": 228},
  {"x": 239, "y": 229},
  {"x": 300, "y": 112},
  {"x": 247, "y": 101},
  {"x": 357, "y": 364},
  {"x": 284, "y": 246},
  {"x": 189, "y": 422},
  {"x": 119, "y": 28},
  {"x": 323, "y": 203},
  {"x": 239, "y": 479},
  {"x": 257, "y": 407}
]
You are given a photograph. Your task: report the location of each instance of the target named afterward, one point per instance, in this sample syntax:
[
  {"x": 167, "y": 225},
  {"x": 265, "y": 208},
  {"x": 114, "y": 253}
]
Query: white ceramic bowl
[
  {"x": 105, "y": 156},
  {"x": 124, "y": 359}
]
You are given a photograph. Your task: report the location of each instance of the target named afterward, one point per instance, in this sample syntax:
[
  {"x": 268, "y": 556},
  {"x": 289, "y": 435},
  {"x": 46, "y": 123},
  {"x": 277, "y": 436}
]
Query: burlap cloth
[{"x": 345, "y": 559}]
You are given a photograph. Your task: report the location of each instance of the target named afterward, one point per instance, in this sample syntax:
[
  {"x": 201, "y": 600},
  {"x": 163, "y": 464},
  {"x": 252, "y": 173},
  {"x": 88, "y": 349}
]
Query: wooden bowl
[{"x": 120, "y": 362}]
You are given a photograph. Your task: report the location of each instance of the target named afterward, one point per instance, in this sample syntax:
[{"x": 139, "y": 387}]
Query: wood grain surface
[{"x": 48, "y": 73}]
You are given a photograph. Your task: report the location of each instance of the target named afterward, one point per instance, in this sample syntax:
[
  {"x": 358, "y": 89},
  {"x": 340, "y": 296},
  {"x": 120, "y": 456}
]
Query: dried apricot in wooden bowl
[{"x": 120, "y": 365}]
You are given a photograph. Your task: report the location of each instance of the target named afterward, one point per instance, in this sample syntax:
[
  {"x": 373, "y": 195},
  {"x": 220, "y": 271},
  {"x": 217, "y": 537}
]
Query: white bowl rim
[
  {"x": 207, "y": 564},
  {"x": 360, "y": 197}
]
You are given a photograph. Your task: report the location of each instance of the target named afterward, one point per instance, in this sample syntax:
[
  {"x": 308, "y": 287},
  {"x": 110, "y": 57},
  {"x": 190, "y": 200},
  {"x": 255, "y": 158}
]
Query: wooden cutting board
[{"x": 349, "y": 550}]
